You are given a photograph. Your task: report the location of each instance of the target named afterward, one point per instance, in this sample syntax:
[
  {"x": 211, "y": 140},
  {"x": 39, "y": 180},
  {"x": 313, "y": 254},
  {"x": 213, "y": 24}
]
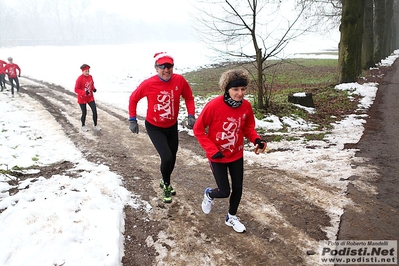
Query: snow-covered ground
[{"x": 80, "y": 220}]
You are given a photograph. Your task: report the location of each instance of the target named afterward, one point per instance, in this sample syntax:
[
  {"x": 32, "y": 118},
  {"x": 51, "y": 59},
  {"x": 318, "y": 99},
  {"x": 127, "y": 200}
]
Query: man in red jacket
[
  {"x": 2, "y": 75},
  {"x": 220, "y": 129},
  {"x": 84, "y": 89},
  {"x": 163, "y": 92},
  {"x": 11, "y": 70}
]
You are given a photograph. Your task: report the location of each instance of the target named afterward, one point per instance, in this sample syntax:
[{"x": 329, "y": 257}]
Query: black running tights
[
  {"x": 236, "y": 170},
  {"x": 93, "y": 108},
  {"x": 12, "y": 84},
  {"x": 166, "y": 142},
  {"x": 3, "y": 80}
]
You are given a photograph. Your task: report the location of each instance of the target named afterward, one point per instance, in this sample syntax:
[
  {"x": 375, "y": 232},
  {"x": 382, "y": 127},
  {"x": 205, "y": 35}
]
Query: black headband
[{"x": 237, "y": 83}]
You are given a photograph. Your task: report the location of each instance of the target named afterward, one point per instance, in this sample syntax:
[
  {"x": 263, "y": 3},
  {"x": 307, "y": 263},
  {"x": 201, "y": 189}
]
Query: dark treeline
[{"x": 369, "y": 32}]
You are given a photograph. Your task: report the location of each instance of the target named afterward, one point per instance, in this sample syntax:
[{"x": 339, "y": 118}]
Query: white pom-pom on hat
[{"x": 163, "y": 58}]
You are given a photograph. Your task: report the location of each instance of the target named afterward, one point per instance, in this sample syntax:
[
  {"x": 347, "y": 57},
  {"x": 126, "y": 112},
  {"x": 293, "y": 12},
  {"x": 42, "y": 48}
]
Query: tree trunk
[
  {"x": 388, "y": 28},
  {"x": 260, "y": 81},
  {"x": 395, "y": 25},
  {"x": 368, "y": 35},
  {"x": 379, "y": 29},
  {"x": 350, "y": 46}
]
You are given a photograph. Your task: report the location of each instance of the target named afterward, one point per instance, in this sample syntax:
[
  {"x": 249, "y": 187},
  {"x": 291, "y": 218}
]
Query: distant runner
[
  {"x": 11, "y": 70},
  {"x": 84, "y": 88}
]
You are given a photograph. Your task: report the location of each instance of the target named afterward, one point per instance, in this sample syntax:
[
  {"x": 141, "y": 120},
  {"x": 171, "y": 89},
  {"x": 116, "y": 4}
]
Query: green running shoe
[
  {"x": 167, "y": 194},
  {"x": 161, "y": 185}
]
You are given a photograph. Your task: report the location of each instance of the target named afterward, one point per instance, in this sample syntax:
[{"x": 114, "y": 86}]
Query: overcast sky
[
  {"x": 154, "y": 10},
  {"x": 77, "y": 22}
]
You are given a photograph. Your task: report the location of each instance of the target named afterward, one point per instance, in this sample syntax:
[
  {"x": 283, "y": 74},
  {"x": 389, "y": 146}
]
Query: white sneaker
[
  {"x": 85, "y": 129},
  {"x": 234, "y": 221},
  {"x": 97, "y": 128},
  {"x": 207, "y": 202}
]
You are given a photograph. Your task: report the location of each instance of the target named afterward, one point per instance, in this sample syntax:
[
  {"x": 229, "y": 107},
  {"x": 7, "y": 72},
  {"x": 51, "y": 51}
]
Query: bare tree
[
  {"x": 32, "y": 17},
  {"x": 350, "y": 46},
  {"x": 395, "y": 25},
  {"x": 388, "y": 28},
  {"x": 252, "y": 31},
  {"x": 6, "y": 19},
  {"x": 379, "y": 29},
  {"x": 326, "y": 12},
  {"x": 368, "y": 35}
]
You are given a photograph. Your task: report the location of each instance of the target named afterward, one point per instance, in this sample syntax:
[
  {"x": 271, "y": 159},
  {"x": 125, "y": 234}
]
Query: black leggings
[
  {"x": 12, "y": 84},
  {"x": 166, "y": 142},
  {"x": 236, "y": 170},
  {"x": 84, "y": 112},
  {"x": 3, "y": 80}
]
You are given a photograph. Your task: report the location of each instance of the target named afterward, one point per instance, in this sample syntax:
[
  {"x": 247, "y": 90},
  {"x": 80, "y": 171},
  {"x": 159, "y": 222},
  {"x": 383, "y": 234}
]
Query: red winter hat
[
  {"x": 163, "y": 58},
  {"x": 85, "y": 67}
]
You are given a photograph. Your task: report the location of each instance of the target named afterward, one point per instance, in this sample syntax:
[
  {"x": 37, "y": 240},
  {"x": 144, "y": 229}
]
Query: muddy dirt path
[
  {"x": 375, "y": 212},
  {"x": 285, "y": 213}
]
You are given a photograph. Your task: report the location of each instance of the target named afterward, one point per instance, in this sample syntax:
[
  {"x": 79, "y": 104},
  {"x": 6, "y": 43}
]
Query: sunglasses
[{"x": 163, "y": 66}]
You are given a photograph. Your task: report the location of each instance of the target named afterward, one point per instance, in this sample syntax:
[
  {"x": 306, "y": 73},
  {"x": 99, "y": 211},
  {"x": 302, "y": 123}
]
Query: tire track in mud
[
  {"x": 285, "y": 213},
  {"x": 110, "y": 148}
]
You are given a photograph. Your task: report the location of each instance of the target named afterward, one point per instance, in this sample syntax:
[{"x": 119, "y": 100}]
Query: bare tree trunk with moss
[
  {"x": 395, "y": 25},
  {"x": 350, "y": 46},
  {"x": 368, "y": 36},
  {"x": 388, "y": 28},
  {"x": 379, "y": 29}
]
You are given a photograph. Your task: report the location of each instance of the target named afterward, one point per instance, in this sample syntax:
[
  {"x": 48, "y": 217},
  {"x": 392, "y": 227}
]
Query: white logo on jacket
[
  {"x": 164, "y": 106},
  {"x": 87, "y": 86},
  {"x": 229, "y": 134}
]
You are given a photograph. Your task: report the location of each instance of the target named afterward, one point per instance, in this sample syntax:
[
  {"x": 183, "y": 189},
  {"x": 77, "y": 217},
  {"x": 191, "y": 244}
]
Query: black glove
[
  {"x": 134, "y": 127},
  {"x": 19, "y": 75},
  {"x": 217, "y": 155},
  {"x": 261, "y": 143},
  {"x": 190, "y": 121},
  {"x": 94, "y": 90},
  {"x": 87, "y": 92}
]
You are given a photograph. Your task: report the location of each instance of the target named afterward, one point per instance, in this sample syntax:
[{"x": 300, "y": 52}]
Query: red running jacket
[
  {"x": 2, "y": 65},
  {"x": 163, "y": 98},
  {"x": 222, "y": 128},
  {"x": 83, "y": 84},
  {"x": 11, "y": 70}
]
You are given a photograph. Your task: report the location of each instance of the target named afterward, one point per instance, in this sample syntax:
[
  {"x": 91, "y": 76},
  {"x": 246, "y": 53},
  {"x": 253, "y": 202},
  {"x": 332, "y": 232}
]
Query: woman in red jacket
[
  {"x": 84, "y": 89},
  {"x": 220, "y": 130}
]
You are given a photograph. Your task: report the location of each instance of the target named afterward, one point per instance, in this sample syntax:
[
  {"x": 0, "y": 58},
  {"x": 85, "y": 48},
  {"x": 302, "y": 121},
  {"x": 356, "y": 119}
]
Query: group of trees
[
  {"x": 248, "y": 30},
  {"x": 54, "y": 22},
  {"x": 75, "y": 22},
  {"x": 369, "y": 33}
]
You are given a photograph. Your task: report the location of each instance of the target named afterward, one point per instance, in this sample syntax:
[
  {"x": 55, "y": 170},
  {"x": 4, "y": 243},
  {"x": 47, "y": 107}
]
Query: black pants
[
  {"x": 84, "y": 112},
  {"x": 3, "y": 81},
  {"x": 236, "y": 170},
  {"x": 12, "y": 84},
  {"x": 166, "y": 142}
]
